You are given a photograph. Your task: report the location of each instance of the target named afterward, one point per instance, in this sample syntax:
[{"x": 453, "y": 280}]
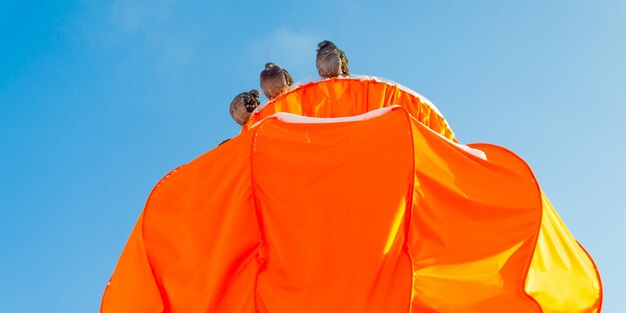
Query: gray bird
[
  {"x": 331, "y": 61},
  {"x": 274, "y": 80},
  {"x": 243, "y": 104}
]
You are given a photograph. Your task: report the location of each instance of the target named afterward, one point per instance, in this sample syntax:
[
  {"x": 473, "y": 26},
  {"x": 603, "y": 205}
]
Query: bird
[
  {"x": 243, "y": 105},
  {"x": 331, "y": 61},
  {"x": 274, "y": 80}
]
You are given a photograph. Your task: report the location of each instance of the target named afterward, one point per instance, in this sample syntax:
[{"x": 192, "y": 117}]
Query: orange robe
[{"x": 382, "y": 213}]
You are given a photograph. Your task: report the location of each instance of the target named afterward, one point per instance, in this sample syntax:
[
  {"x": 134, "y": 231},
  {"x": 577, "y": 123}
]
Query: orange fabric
[
  {"x": 136, "y": 280},
  {"x": 474, "y": 228},
  {"x": 340, "y": 97},
  {"x": 562, "y": 276},
  {"x": 385, "y": 214}
]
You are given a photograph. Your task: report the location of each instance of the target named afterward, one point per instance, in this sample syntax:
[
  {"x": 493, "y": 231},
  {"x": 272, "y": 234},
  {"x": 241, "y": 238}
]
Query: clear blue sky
[{"x": 100, "y": 99}]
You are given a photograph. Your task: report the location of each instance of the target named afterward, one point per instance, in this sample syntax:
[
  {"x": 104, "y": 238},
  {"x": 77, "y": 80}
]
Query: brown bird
[
  {"x": 331, "y": 61},
  {"x": 243, "y": 104},
  {"x": 274, "y": 80}
]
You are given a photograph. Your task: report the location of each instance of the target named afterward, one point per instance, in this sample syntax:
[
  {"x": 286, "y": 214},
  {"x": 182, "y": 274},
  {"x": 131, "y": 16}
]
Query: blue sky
[{"x": 100, "y": 99}]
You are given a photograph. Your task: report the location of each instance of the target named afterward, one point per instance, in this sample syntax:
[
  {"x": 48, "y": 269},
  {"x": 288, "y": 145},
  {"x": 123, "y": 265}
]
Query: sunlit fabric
[{"x": 360, "y": 200}]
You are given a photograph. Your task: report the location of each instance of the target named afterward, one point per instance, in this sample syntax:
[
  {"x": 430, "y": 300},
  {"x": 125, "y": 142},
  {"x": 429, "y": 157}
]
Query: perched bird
[
  {"x": 243, "y": 104},
  {"x": 274, "y": 80},
  {"x": 331, "y": 61}
]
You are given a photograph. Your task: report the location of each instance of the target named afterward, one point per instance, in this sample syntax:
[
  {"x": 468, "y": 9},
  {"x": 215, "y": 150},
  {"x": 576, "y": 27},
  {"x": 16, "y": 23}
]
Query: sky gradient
[{"x": 100, "y": 99}]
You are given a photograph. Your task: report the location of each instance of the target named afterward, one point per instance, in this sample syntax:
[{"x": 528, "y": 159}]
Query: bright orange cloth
[{"x": 385, "y": 214}]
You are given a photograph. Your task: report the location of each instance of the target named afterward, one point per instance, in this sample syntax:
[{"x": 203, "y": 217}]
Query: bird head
[
  {"x": 269, "y": 65},
  {"x": 324, "y": 44},
  {"x": 255, "y": 93}
]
